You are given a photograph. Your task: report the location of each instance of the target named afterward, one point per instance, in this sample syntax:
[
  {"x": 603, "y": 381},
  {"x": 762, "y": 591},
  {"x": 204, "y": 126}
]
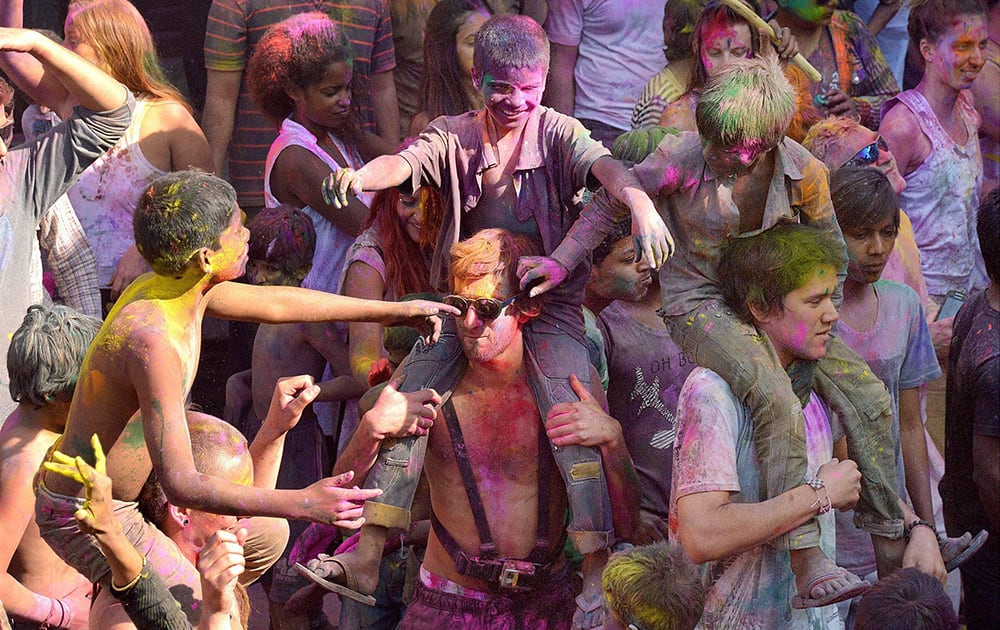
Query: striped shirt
[{"x": 235, "y": 27}]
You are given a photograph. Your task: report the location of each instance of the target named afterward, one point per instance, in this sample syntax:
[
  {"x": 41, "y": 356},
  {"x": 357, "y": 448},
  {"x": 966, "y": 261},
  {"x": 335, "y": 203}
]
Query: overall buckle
[{"x": 512, "y": 572}]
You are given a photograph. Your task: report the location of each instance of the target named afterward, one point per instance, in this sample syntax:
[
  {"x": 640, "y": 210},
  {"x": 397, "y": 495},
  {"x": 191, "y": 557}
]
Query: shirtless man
[
  {"x": 515, "y": 165},
  {"x": 37, "y": 587},
  {"x": 512, "y": 495},
  {"x": 189, "y": 228}
]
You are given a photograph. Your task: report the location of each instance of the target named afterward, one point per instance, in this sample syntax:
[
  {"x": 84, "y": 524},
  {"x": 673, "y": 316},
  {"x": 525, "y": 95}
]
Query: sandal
[
  {"x": 848, "y": 592},
  {"x": 348, "y": 589},
  {"x": 955, "y": 551}
]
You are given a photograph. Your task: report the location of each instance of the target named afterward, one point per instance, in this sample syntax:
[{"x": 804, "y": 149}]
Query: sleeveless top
[
  {"x": 105, "y": 195},
  {"x": 332, "y": 243},
  {"x": 942, "y": 196}
]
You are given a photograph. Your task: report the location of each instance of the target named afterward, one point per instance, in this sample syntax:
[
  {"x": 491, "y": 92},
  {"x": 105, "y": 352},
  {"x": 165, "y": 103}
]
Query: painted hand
[
  {"x": 837, "y": 103},
  {"x": 337, "y": 184},
  {"x": 96, "y": 516},
  {"x": 652, "y": 240},
  {"x": 541, "y": 273},
  {"x": 327, "y": 501},
  {"x": 398, "y": 414},
  {"x": 292, "y": 395},
  {"x": 583, "y": 422}
]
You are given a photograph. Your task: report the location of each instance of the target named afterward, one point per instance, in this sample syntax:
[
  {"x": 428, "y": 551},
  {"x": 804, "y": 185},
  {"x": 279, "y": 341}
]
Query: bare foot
[
  {"x": 589, "y": 611},
  {"x": 820, "y": 582}
]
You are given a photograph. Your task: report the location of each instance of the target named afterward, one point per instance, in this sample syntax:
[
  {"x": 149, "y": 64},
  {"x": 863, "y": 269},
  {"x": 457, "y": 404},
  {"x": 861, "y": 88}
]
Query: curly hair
[
  {"x": 441, "y": 92},
  {"x": 295, "y": 52}
]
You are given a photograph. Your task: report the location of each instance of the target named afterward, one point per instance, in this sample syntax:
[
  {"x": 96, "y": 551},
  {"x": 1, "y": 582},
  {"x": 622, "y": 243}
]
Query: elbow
[{"x": 697, "y": 544}]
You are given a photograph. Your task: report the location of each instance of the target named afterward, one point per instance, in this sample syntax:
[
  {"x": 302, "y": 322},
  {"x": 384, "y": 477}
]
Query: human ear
[
  {"x": 926, "y": 50},
  {"x": 178, "y": 515},
  {"x": 760, "y": 313},
  {"x": 203, "y": 259},
  {"x": 294, "y": 92}
]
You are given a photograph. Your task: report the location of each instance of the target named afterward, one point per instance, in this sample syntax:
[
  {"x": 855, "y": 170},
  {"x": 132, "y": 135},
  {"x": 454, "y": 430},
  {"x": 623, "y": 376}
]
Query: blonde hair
[
  {"x": 118, "y": 34},
  {"x": 826, "y": 136},
  {"x": 748, "y": 101}
]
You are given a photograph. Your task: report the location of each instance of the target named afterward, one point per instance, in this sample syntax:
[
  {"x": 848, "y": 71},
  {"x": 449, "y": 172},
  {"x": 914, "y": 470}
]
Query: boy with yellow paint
[{"x": 189, "y": 229}]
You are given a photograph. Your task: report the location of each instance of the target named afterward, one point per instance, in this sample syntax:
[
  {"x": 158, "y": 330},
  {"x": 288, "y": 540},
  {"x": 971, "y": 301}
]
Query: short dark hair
[
  {"x": 759, "y": 271},
  {"x": 178, "y": 214},
  {"x": 620, "y": 230},
  {"x": 284, "y": 237},
  {"x": 906, "y": 600},
  {"x": 863, "y": 198},
  {"x": 46, "y": 353},
  {"x": 655, "y": 587},
  {"x": 510, "y": 41},
  {"x": 988, "y": 229}
]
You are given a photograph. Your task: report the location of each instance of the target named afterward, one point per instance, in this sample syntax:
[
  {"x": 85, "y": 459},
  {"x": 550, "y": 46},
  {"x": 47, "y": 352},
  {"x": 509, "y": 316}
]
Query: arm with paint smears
[
  {"x": 154, "y": 368},
  {"x": 279, "y": 305}
]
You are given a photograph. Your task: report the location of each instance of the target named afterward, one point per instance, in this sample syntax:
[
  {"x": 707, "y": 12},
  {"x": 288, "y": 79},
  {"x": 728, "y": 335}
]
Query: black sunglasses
[
  {"x": 868, "y": 154},
  {"x": 487, "y": 308}
]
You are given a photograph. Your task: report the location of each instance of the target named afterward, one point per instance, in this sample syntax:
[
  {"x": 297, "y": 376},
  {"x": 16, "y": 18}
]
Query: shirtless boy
[
  {"x": 45, "y": 354},
  {"x": 189, "y": 229},
  {"x": 515, "y": 165},
  {"x": 494, "y": 556}
]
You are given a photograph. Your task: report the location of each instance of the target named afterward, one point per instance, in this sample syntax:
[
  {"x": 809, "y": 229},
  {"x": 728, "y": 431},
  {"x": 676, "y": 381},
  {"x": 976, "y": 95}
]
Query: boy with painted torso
[{"x": 144, "y": 359}]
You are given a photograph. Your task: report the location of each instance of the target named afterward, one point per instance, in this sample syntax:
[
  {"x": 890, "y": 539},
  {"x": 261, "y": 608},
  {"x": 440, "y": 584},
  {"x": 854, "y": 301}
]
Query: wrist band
[
  {"x": 58, "y": 613},
  {"x": 817, "y": 484},
  {"x": 919, "y": 523}
]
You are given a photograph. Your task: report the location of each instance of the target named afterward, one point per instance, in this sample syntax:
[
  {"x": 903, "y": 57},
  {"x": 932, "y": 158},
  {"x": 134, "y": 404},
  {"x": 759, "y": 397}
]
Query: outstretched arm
[{"x": 279, "y": 305}]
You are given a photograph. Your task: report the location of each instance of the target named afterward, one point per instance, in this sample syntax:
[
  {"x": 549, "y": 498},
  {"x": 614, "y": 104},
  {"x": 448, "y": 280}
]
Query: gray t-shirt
[{"x": 32, "y": 177}]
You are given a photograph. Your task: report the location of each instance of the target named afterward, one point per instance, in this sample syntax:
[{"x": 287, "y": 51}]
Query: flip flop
[
  {"x": 348, "y": 589},
  {"x": 848, "y": 592},
  {"x": 954, "y": 556}
]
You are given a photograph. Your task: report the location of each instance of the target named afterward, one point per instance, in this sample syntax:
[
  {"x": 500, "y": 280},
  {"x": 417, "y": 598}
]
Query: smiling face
[
  {"x": 510, "y": 94},
  {"x": 483, "y": 340},
  {"x": 868, "y": 251},
  {"x": 959, "y": 54},
  {"x": 410, "y": 210},
  {"x": 723, "y": 42},
  {"x": 619, "y": 276},
  {"x": 327, "y": 102},
  {"x": 801, "y": 328}
]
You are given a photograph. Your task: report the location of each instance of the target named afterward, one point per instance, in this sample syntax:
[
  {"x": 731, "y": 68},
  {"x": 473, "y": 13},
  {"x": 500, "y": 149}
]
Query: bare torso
[
  {"x": 106, "y": 402},
  {"x": 290, "y": 350},
  {"x": 502, "y": 442},
  {"x": 32, "y": 561}
]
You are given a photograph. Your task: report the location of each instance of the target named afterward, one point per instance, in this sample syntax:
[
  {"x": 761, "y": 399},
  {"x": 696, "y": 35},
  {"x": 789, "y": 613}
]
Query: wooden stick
[{"x": 758, "y": 22}]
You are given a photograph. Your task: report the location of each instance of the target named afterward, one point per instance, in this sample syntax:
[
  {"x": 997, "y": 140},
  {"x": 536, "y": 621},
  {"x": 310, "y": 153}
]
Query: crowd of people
[{"x": 578, "y": 314}]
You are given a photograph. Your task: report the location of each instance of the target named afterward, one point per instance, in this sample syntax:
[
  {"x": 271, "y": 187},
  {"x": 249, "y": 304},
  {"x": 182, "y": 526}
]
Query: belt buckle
[{"x": 512, "y": 571}]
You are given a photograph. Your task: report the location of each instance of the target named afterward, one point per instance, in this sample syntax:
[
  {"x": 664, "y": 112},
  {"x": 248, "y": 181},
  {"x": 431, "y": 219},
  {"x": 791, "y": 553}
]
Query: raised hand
[
  {"x": 398, "y": 414},
  {"x": 541, "y": 273},
  {"x": 337, "y": 184},
  {"x": 423, "y": 315},
  {"x": 843, "y": 482}
]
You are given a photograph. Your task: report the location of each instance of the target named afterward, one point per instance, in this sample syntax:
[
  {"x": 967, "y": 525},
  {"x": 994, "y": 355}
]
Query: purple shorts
[{"x": 548, "y": 607}]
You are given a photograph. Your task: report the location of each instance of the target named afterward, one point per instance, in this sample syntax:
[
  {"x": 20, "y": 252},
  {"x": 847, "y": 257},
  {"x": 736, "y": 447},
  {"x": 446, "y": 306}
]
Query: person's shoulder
[
  {"x": 22, "y": 446},
  {"x": 707, "y": 385}
]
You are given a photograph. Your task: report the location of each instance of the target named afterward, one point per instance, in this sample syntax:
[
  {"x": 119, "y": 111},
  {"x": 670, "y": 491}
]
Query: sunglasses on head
[
  {"x": 868, "y": 154},
  {"x": 487, "y": 308}
]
